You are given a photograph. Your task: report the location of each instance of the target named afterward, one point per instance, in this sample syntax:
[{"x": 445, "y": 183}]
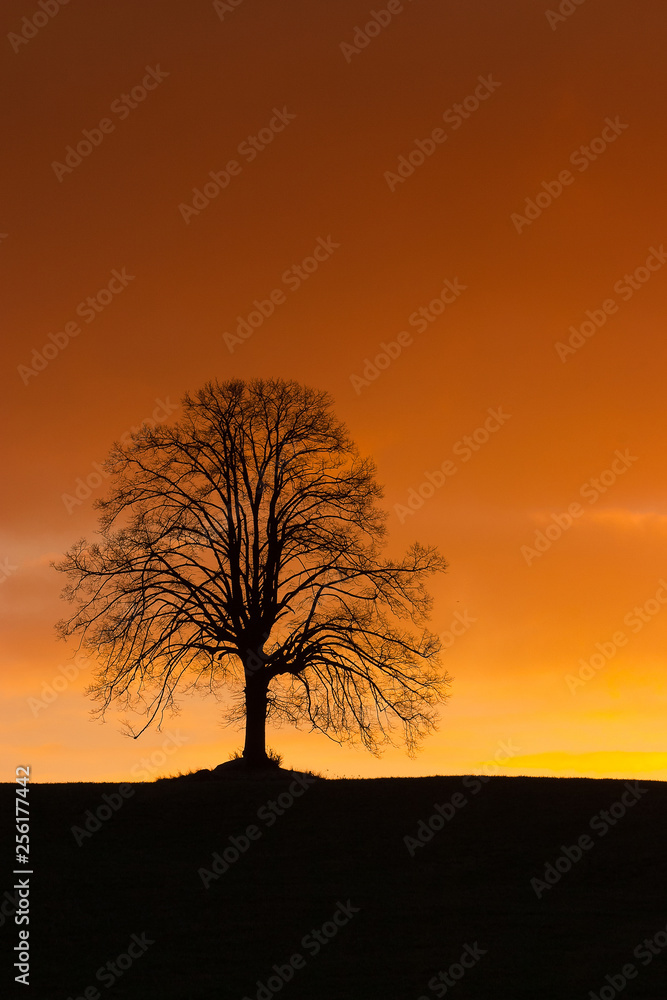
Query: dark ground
[{"x": 342, "y": 840}]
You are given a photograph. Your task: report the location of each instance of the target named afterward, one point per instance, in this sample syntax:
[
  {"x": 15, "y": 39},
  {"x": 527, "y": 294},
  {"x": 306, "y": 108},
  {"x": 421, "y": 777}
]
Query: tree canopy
[{"x": 240, "y": 548}]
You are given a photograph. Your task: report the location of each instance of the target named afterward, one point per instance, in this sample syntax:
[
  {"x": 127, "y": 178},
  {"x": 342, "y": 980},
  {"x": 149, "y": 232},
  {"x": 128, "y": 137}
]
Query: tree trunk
[{"x": 256, "y": 689}]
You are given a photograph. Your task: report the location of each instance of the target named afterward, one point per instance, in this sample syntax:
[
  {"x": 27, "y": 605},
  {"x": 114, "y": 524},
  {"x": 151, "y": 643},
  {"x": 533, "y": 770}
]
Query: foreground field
[{"x": 396, "y": 888}]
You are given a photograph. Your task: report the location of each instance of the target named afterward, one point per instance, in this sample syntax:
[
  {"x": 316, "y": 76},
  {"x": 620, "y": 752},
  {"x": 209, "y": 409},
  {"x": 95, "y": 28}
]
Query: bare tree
[{"x": 242, "y": 544}]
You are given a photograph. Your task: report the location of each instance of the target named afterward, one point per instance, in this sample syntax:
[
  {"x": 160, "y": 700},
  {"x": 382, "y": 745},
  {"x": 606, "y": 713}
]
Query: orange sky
[{"x": 534, "y": 199}]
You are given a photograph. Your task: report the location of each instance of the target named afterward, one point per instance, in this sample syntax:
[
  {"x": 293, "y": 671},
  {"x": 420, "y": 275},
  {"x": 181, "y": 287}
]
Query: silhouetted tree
[{"x": 241, "y": 545}]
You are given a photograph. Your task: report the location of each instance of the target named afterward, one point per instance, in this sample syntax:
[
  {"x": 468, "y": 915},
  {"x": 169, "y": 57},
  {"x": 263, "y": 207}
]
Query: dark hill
[{"x": 329, "y": 858}]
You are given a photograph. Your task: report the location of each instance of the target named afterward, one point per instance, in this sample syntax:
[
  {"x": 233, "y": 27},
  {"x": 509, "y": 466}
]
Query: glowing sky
[{"x": 453, "y": 221}]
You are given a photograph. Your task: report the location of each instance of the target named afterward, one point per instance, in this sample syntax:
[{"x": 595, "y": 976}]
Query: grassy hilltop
[{"x": 329, "y": 882}]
